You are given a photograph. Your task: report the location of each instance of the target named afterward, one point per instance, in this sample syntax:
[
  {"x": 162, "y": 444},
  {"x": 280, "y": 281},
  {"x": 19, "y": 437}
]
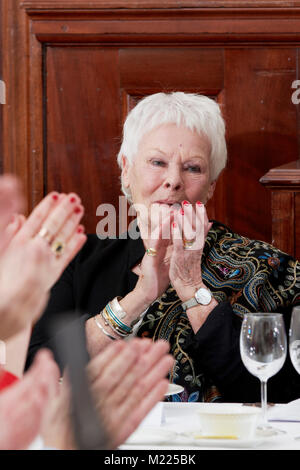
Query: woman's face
[{"x": 172, "y": 165}]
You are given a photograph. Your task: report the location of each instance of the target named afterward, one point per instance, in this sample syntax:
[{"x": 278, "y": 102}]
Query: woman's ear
[
  {"x": 125, "y": 172},
  {"x": 211, "y": 190}
]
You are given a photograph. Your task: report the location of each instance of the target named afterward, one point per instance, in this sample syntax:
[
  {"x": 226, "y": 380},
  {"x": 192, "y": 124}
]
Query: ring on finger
[
  {"x": 58, "y": 248},
  {"x": 188, "y": 244},
  {"x": 46, "y": 235},
  {"x": 151, "y": 252}
]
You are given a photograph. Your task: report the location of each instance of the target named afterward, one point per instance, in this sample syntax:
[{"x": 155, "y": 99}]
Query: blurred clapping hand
[
  {"x": 33, "y": 252},
  {"x": 127, "y": 379}
]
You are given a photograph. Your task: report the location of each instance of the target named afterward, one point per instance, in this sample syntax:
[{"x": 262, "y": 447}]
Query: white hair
[{"x": 196, "y": 112}]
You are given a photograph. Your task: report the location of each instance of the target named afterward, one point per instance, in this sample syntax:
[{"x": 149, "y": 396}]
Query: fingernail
[
  {"x": 185, "y": 203},
  {"x": 181, "y": 211},
  {"x": 72, "y": 199},
  {"x": 77, "y": 210},
  {"x": 80, "y": 229},
  {"x": 199, "y": 203},
  {"x": 174, "y": 225},
  {"x": 55, "y": 197}
]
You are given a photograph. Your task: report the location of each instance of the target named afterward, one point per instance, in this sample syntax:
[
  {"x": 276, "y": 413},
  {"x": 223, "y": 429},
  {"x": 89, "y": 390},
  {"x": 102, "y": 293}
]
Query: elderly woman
[{"x": 184, "y": 279}]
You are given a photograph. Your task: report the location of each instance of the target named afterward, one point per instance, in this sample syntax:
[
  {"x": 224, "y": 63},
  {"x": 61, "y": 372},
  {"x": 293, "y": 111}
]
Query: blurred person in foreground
[{"x": 30, "y": 262}]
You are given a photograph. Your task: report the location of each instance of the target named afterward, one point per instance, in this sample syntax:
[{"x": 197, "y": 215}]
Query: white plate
[
  {"x": 151, "y": 436},
  {"x": 256, "y": 441},
  {"x": 147, "y": 436},
  {"x": 173, "y": 389}
]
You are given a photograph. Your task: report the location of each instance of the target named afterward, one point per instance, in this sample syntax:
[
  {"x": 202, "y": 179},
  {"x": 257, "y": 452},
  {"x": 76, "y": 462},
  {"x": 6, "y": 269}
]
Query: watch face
[{"x": 203, "y": 296}]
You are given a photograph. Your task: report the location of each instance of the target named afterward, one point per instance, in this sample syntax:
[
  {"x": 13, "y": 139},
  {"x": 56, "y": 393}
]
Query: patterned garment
[{"x": 252, "y": 275}]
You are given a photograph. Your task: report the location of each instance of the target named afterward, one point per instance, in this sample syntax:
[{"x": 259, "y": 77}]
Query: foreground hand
[
  {"x": 11, "y": 202},
  {"x": 22, "y": 405},
  {"x": 55, "y": 220},
  {"x": 29, "y": 266},
  {"x": 127, "y": 380},
  {"x": 190, "y": 229}
]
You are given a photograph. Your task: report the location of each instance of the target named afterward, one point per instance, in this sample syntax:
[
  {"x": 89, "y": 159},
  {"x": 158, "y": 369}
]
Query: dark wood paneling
[
  {"x": 170, "y": 69},
  {"x": 83, "y": 125},
  {"x": 261, "y": 131},
  {"x": 283, "y": 214},
  {"x": 297, "y": 226},
  {"x": 284, "y": 184}
]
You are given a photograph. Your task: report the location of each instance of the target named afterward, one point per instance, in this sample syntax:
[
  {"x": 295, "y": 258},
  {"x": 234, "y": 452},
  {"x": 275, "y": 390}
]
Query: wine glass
[
  {"x": 294, "y": 338},
  {"x": 263, "y": 349}
]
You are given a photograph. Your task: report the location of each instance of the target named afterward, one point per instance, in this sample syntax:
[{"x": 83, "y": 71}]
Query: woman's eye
[
  {"x": 193, "y": 169},
  {"x": 158, "y": 163}
]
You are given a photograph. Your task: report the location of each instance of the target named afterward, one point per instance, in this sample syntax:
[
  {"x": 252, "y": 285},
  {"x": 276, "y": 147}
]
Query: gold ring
[
  {"x": 44, "y": 233},
  {"x": 188, "y": 244},
  {"x": 58, "y": 247},
  {"x": 151, "y": 252}
]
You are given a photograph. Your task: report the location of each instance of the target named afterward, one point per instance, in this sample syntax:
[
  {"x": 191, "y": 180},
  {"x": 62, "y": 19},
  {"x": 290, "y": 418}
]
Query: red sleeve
[{"x": 6, "y": 379}]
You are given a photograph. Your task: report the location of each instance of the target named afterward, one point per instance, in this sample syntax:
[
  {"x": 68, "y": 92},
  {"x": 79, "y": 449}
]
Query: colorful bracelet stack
[
  {"x": 111, "y": 320},
  {"x": 112, "y": 315}
]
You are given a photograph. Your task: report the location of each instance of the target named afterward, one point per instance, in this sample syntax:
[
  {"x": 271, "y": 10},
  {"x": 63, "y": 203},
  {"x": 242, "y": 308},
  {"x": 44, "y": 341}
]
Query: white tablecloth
[{"x": 168, "y": 431}]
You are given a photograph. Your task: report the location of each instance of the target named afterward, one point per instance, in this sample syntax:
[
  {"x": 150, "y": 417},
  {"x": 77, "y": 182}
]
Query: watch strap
[{"x": 189, "y": 303}]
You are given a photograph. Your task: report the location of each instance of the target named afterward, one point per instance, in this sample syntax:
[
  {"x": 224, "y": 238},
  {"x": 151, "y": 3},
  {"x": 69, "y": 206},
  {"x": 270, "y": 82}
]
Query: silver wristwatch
[{"x": 203, "y": 296}]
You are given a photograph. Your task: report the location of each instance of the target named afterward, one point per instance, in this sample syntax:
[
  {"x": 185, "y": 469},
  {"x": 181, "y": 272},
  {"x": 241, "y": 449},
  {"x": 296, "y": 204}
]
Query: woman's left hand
[{"x": 190, "y": 228}]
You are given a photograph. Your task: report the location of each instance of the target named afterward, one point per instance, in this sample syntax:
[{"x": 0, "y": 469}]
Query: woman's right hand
[
  {"x": 153, "y": 280},
  {"x": 153, "y": 271}
]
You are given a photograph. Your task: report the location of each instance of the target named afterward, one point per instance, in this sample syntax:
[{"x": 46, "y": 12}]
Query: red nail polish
[
  {"x": 185, "y": 203},
  {"x": 72, "y": 199},
  {"x": 80, "y": 229},
  {"x": 55, "y": 197},
  {"x": 174, "y": 224},
  {"x": 199, "y": 203},
  {"x": 77, "y": 210},
  {"x": 181, "y": 211}
]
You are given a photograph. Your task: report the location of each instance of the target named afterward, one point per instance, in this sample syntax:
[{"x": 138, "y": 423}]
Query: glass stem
[{"x": 264, "y": 402}]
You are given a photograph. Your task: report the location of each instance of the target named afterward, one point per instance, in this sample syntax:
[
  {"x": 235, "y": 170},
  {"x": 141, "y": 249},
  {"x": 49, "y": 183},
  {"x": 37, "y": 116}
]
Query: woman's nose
[{"x": 173, "y": 180}]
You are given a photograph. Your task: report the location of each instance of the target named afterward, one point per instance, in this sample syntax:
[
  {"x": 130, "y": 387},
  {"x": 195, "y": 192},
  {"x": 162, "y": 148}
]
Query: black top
[{"x": 244, "y": 275}]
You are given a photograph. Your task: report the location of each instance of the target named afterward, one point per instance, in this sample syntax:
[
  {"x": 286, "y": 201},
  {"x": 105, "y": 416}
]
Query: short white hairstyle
[{"x": 196, "y": 112}]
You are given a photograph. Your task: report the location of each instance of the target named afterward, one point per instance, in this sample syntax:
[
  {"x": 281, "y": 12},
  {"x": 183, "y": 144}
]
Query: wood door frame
[{"x": 28, "y": 28}]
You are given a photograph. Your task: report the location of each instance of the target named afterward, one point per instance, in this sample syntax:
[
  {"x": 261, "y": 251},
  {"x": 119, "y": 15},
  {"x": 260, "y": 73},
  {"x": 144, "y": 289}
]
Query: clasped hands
[{"x": 174, "y": 251}]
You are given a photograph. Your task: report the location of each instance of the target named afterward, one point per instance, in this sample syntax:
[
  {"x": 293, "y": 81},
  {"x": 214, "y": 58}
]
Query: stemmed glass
[
  {"x": 294, "y": 338},
  {"x": 263, "y": 349}
]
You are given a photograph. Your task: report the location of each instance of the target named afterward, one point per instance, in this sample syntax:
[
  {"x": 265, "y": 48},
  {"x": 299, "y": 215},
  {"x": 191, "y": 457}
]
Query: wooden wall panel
[
  {"x": 156, "y": 69},
  {"x": 297, "y": 226},
  {"x": 83, "y": 125},
  {"x": 261, "y": 131}
]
